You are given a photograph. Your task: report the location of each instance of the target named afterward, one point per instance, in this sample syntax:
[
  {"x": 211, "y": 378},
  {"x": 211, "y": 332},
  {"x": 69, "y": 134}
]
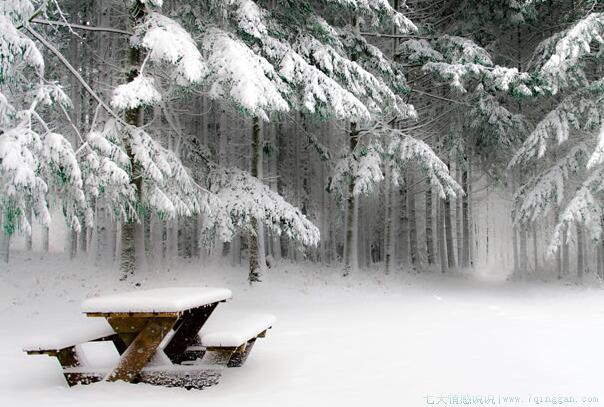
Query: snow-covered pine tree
[
  {"x": 474, "y": 118},
  {"x": 38, "y": 166},
  {"x": 566, "y": 144},
  {"x": 319, "y": 69}
]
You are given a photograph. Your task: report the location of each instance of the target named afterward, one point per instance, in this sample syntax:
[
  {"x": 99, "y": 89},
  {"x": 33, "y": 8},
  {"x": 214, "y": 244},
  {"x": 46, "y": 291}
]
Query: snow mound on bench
[
  {"x": 78, "y": 331},
  {"x": 173, "y": 299},
  {"x": 227, "y": 328}
]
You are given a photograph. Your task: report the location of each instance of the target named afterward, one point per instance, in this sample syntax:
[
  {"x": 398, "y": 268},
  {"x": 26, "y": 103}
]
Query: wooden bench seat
[
  {"x": 65, "y": 347},
  {"x": 228, "y": 337}
]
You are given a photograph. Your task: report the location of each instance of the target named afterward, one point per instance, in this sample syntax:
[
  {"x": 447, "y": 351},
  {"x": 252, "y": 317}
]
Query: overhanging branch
[
  {"x": 73, "y": 71},
  {"x": 81, "y": 27}
]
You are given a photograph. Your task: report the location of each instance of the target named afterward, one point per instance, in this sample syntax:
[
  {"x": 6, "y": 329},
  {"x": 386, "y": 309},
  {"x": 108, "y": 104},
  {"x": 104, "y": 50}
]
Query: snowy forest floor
[{"x": 366, "y": 340}]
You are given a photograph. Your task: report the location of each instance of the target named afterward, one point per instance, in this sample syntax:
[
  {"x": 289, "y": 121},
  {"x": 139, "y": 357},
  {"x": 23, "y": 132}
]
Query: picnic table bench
[
  {"x": 164, "y": 326},
  {"x": 229, "y": 337}
]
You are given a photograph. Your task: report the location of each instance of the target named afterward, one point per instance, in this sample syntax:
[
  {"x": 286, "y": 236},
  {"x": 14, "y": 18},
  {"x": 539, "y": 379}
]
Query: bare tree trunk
[
  {"x": 45, "y": 239},
  {"x": 471, "y": 224},
  {"x": 535, "y": 247},
  {"x": 349, "y": 251},
  {"x": 465, "y": 210},
  {"x": 598, "y": 260},
  {"x": 84, "y": 239},
  {"x": 458, "y": 217},
  {"x": 367, "y": 227},
  {"x": 523, "y": 251},
  {"x": 73, "y": 244},
  {"x": 28, "y": 239},
  {"x": 134, "y": 117},
  {"x": 565, "y": 254},
  {"x": 274, "y": 170},
  {"x": 580, "y": 252},
  {"x": 255, "y": 270},
  {"x": 413, "y": 250},
  {"x": 403, "y": 226},
  {"x": 429, "y": 225},
  {"x": 558, "y": 252},
  {"x": 101, "y": 232},
  {"x": 4, "y": 242},
  {"x": 440, "y": 233},
  {"x": 559, "y": 263},
  {"x": 449, "y": 234},
  {"x": 387, "y": 219},
  {"x": 516, "y": 271},
  {"x": 76, "y": 96}
]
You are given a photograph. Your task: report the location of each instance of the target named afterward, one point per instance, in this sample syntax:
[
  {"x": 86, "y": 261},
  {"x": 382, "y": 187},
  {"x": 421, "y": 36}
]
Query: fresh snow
[
  {"x": 138, "y": 92},
  {"x": 173, "y": 299},
  {"x": 231, "y": 328},
  {"x": 68, "y": 333},
  {"x": 370, "y": 339}
]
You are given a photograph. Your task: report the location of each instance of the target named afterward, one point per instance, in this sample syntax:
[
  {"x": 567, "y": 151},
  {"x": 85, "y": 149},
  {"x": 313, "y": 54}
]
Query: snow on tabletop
[
  {"x": 228, "y": 328},
  {"x": 174, "y": 299},
  {"x": 75, "y": 332}
]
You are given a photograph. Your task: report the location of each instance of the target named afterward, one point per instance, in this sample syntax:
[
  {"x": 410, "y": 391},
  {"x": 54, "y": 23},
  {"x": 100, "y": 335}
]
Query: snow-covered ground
[{"x": 369, "y": 340}]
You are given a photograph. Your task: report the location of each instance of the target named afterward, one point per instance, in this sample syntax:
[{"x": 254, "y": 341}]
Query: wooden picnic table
[
  {"x": 143, "y": 319},
  {"x": 159, "y": 337}
]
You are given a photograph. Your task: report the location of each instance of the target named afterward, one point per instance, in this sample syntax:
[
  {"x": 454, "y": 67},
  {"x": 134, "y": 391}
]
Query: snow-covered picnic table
[{"x": 164, "y": 325}]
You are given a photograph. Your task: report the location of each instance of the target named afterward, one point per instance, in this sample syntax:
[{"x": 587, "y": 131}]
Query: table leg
[
  {"x": 187, "y": 329},
  {"x": 142, "y": 348}
]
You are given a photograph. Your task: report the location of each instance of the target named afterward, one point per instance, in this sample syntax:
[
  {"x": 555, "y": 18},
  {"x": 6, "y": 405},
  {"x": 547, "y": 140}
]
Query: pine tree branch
[
  {"x": 74, "y": 72},
  {"x": 440, "y": 97},
  {"x": 401, "y": 36},
  {"x": 81, "y": 27}
]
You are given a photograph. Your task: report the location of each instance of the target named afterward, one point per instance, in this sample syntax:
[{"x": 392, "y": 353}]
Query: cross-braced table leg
[
  {"x": 187, "y": 329},
  {"x": 142, "y": 348}
]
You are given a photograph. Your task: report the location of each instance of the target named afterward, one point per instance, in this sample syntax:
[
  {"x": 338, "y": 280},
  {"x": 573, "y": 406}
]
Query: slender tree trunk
[
  {"x": 429, "y": 225},
  {"x": 260, "y": 232},
  {"x": 458, "y": 217},
  {"x": 535, "y": 247},
  {"x": 565, "y": 254},
  {"x": 580, "y": 252},
  {"x": 413, "y": 250},
  {"x": 4, "y": 247},
  {"x": 559, "y": 263},
  {"x": 361, "y": 236},
  {"x": 73, "y": 244},
  {"x": 440, "y": 233},
  {"x": 45, "y": 239},
  {"x": 403, "y": 226},
  {"x": 101, "y": 232},
  {"x": 84, "y": 239},
  {"x": 523, "y": 251},
  {"x": 28, "y": 239},
  {"x": 76, "y": 96},
  {"x": 471, "y": 224},
  {"x": 4, "y": 242},
  {"x": 324, "y": 221},
  {"x": 449, "y": 234},
  {"x": 255, "y": 270},
  {"x": 465, "y": 210},
  {"x": 236, "y": 248},
  {"x": 274, "y": 170},
  {"x": 387, "y": 219},
  {"x": 516, "y": 271},
  {"x": 133, "y": 117},
  {"x": 367, "y": 227},
  {"x": 598, "y": 260},
  {"x": 349, "y": 251}
]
